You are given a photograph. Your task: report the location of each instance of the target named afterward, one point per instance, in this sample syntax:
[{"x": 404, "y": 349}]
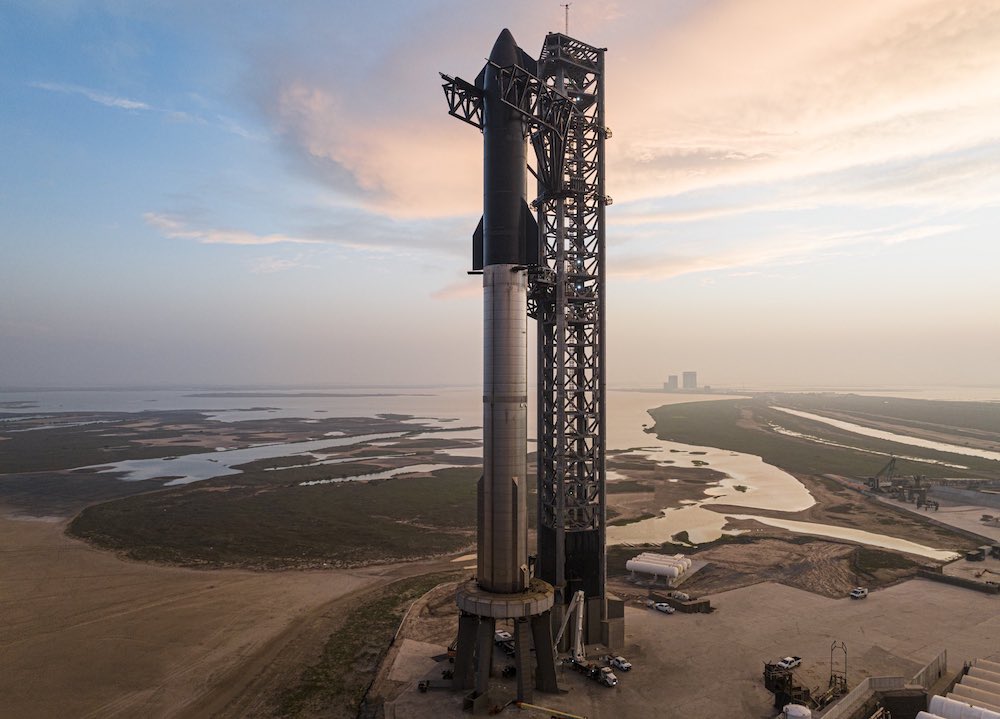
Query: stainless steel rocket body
[
  {"x": 503, "y": 540},
  {"x": 503, "y": 527}
]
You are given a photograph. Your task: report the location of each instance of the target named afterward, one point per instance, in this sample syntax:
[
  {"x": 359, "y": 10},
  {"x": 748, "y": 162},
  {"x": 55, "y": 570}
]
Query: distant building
[
  {"x": 671, "y": 384},
  {"x": 690, "y": 380}
]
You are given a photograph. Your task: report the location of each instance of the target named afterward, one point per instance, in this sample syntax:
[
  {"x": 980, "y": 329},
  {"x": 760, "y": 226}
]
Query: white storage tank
[
  {"x": 658, "y": 570},
  {"x": 986, "y": 674},
  {"x": 976, "y": 696},
  {"x": 979, "y": 683},
  {"x": 952, "y": 709},
  {"x": 658, "y": 558},
  {"x": 795, "y": 711}
]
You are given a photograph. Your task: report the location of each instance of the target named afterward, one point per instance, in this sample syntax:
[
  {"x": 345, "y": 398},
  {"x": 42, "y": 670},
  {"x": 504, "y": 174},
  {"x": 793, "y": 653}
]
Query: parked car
[
  {"x": 789, "y": 662},
  {"x": 663, "y": 607},
  {"x": 859, "y": 593},
  {"x": 620, "y": 663}
]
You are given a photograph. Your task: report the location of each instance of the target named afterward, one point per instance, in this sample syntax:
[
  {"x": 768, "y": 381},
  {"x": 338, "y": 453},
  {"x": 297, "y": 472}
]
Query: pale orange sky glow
[{"x": 804, "y": 192}]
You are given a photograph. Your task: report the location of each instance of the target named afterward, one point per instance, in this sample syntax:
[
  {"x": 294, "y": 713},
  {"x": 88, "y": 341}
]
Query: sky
[{"x": 805, "y": 192}]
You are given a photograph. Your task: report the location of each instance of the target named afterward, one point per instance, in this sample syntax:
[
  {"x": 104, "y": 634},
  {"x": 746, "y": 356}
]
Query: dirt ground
[
  {"x": 706, "y": 665},
  {"x": 86, "y": 634}
]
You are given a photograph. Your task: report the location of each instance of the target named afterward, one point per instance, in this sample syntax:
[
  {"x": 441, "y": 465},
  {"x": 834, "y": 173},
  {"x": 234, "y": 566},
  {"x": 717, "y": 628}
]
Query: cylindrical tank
[
  {"x": 984, "y": 674},
  {"x": 976, "y": 696},
  {"x": 663, "y": 559},
  {"x": 954, "y": 709},
  {"x": 657, "y": 560},
  {"x": 796, "y": 711},
  {"x": 660, "y": 570},
  {"x": 979, "y": 683}
]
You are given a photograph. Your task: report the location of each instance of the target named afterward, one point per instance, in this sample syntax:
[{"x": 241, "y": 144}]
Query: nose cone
[{"x": 504, "y": 51}]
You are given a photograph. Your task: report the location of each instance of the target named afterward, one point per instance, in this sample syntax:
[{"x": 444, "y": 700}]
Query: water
[
  {"x": 386, "y": 474},
  {"x": 893, "y": 437},
  {"x": 765, "y": 486},
  {"x": 830, "y": 443},
  {"x": 457, "y": 411},
  {"x": 205, "y": 465}
]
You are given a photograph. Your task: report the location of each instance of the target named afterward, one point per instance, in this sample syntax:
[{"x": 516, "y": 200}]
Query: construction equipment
[
  {"x": 575, "y": 606},
  {"x": 838, "y": 669},
  {"x": 883, "y": 476}
]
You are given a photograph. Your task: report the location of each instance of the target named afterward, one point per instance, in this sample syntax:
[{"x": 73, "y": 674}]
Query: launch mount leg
[
  {"x": 465, "y": 652},
  {"x": 545, "y": 658},
  {"x": 522, "y": 659},
  {"x": 484, "y": 653}
]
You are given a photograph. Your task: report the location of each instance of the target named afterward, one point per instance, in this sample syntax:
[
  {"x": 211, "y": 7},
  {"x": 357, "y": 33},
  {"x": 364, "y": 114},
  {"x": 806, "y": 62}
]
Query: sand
[{"x": 86, "y": 634}]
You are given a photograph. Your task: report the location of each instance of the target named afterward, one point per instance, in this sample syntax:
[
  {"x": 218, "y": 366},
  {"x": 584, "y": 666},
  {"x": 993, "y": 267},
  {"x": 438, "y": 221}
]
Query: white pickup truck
[
  {"x": 789, "y": 662},
  {"x": 619, "y": 663},
  {"x": 859, "y": 593}
]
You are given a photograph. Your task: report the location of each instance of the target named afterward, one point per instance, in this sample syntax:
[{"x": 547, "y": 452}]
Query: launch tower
[{"x": 567, "y": 300}]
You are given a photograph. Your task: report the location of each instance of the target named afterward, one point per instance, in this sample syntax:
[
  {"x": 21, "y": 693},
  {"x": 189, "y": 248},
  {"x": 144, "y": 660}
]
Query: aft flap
[
  {"x": 527, "y": 62},
  {"x": 477, "y": 247},
  {"x": 529, "y": 236}
]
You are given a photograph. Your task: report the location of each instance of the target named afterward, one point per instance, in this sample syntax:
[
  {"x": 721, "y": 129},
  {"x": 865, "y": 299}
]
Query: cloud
[
  {"x": 701, "y": 96},
  {"x": 459, "y": 290},
  {"x": 788, "y": 250},
  {"x": 742, "y": 93},
  {"x": 174, "y": 227},
  {"x": 226, "y": 124},
  {"x": 270, "y": 265},
  {"x": 403, "y": 166},
  {"x": 100, "y": 98}
]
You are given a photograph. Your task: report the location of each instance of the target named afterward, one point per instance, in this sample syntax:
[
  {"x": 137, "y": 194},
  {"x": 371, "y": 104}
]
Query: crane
[
  {"x": 576, "y": 605},
  {"x": 884, "y": 475}
]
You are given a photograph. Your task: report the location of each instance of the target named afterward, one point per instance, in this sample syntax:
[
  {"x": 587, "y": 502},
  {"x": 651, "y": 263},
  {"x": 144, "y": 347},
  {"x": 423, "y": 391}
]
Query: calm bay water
[{"x": 458, "y": 412}]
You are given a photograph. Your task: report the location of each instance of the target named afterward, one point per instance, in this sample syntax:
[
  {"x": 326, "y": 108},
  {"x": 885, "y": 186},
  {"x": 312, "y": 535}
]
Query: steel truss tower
[{"x": 567, "y": 299}]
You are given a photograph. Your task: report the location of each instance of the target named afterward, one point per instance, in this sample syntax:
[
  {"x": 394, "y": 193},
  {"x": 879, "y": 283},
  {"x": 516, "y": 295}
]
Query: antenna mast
[{"x": 566, "y": 8}]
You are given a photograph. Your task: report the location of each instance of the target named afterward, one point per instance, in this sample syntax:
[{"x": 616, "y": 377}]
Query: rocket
[{"x": 504, "y": 244}]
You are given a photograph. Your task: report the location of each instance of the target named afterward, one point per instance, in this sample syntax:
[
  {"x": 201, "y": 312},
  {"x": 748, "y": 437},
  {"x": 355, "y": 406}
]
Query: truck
[
  {"x": 619, "y": 662},
  {"x": 663, "y": 607},
  {"x": 859, "y": 593},
  {"x": 601, "y": 675},
  {"x": 789, "y": 662}
]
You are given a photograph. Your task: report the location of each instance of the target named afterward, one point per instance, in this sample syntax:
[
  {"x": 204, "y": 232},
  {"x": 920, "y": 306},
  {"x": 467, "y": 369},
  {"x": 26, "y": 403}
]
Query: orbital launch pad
[{"x": 544, "y": 261}]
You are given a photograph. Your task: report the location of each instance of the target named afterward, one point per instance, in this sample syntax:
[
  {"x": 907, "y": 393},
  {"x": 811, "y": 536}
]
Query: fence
[
  {"x": 959, "y": 581},
  {"x": 929, "y": 675},
  {"x": 859, "y": 696}
]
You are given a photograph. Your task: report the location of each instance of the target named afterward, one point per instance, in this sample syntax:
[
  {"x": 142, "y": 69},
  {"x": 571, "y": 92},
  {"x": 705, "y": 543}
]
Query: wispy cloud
[
  {"x": 100, "y": 98},
  {"x": 788, "y": 250},
  {"x": 792, "y": 90},
  {"x": 175, "y": 227},
  {"x": 459, "y": 290},
  {"x": 220, "y": 122},
  {"x": 270, "y": 265}
]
